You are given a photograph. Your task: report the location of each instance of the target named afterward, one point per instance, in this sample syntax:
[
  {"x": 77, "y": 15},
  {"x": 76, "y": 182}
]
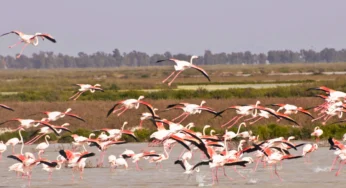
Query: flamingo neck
[
  {"x": 191, "y": 60},
  {"x": 46, "y": 138},
  {"x": 21, "y": 139}
]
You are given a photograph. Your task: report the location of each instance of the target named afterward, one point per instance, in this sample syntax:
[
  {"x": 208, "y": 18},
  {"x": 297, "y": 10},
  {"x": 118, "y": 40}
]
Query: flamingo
[
  {"x": 130, "y": 104},
  {"x": 86, "y": 87},
  {"x": 190, "y": 109},
  {"x": 29, "y": 39},
  {"x": 13, "y": 141},
  {"x": 145, "y": 116},
  {"x": 24, "y": 123},
  {"x": 50, "y": 166},
  {"x": 333, "y": 94},
  {"x": 242, "y": 111},
  {"x": 180, "y": 66},
  {"x": 115, "y": 162},
  {"x": 291, "y": 109},
  {"x": 42, "y": 146},
  {"x": 47, "y": 130},
  {"x": 55, "y": 115},
  {"x": 229, "y": 135},
  {"x": 317, "y": 133},
  {"x": 3, "y": 148},
  {"x": 76, "y": 160},
  {"x": 309, "y": 148}
]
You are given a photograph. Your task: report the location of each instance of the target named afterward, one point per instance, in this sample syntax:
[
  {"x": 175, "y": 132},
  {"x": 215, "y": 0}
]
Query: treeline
[{"x": 49, "y": 60}]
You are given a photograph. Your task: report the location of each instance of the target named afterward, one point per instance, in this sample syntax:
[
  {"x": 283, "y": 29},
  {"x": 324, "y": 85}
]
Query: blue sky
[{"x": 179, "y": 26}]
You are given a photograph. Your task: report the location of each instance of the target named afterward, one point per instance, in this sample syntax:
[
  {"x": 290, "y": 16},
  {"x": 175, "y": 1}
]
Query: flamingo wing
[
  {"x": 19, "y": 158},
  {"x": 50, "y": 164},
  {"x": 112, "y": 109},
  {"x": 85, "y": 156},
  {"x": 201, "y": 70},
  {"x": 6, "y": 107},
  {"x": 47, "y": 36},
  {"x": 201, "y": 163},
  {"x": 75, "y": 116},
  {"x": 306, "y": 113},
  {"x": 15, "y": 32},
  {"x": 180, "y": 162},
  {"x": 51, "y": 127},
  {"x": 237, "y": 163},
  {"x": 171, "y": 60}
]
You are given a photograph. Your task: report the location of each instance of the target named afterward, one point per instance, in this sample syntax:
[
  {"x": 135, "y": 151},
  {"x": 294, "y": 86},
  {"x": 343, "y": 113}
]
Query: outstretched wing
[
  {"x": 201, "y": 70},
  {"x": 180, "y": 162},
  {"x": 47, "y": 36},
  {"x": 6, "y": 107},
  {"x": 15, "y": 32},
  {"x": 75, "y": 116},
  {"x": 112, "y": 109}
]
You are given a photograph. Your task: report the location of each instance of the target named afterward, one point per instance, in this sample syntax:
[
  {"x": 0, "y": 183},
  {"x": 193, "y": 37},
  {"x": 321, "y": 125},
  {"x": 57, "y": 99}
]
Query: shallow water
[{"x": 295, "y": 173}]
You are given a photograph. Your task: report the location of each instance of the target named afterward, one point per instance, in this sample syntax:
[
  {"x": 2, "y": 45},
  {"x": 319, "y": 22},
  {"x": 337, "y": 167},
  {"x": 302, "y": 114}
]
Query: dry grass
[{"x": 94, "y": 112}]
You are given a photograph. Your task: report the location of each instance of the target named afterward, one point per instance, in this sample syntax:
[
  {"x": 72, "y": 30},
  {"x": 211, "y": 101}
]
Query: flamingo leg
[
  {"x": 229, "y": 121},
  {"x": 235, "y": 169},
  {"x": 341, "y": 165},
  {"x": 334, "y": 161},
  {"x": 187, "y": 115},
  {"x": 224, "y": 173},
  {"x": 169, "y": 84},
  {"x": 13, "y": 149},
  {"x": 250, "y": 118},
  {"x": 179, "y": 116},
  {"x": 74, "y": 95},
  {"x": 122, "y": 111},
  {"x": 168, "y": 77},
  {"x": 80, "y": 93},
  {"x": 118, "y": 109},
  {"x": 34, "y": 139},
  {"x": 141, "y": 123},
  {"x": 276, "y": 172},
  {"x": 25, "y": 45},
  {"x": 257, "y": 162},
  {"x": 256, "y": 120},
  {"x": 318, "y": 118},
  {"x": 235, "y": 121},
  {"x": 15, "y": 44}
]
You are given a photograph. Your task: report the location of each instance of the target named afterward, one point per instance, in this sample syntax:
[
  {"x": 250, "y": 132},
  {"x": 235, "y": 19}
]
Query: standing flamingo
[
  {"x": 180, "y": 66},
  {"x": 86, "y": 87},
  {"x": 3, "y": 148},
  {"x": 29, "y": 39},
  {"x": 42, "y": 146}
]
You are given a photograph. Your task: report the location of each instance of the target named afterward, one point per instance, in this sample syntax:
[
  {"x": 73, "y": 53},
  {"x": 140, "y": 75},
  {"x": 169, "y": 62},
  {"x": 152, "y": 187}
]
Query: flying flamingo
[
  {"x": 47, "y": 130},
  {"x": 145, "y": 116},
  {"x": 190, "y": 109},
  {"x": 130, "y": 104},
  {"x": 76, "y": 160},
  {"x": 86, "y": 87},
  {"x": 3, "y": 148},
  {"x": 333, "y": 94},
  {"x": 29, "y": 39},
  {"x": 241, "y": 111},
  {"x": 180, "y": 66},
  {"x": 42, "y": 146},
  {"x": 317, "y": 133},
  {"x": 55, "y": 115},
  {"x": 291, "y": 109},
  {"x": 24, "y": 123}
]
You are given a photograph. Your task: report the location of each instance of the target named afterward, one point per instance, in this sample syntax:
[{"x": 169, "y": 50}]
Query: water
[{"x": 295, "y": 173}]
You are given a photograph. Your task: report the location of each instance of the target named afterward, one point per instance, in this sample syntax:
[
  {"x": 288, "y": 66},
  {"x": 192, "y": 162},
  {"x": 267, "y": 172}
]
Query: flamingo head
[
  {"x": 74, "y": 135},
  {"x": 291, "y": 138},
  {"x": 141, "y": 97},
  {"x": 97, "y": 85},
  {"x": 315, "y": 146},
  {"x": 47, "y": 136},
  {"x": 203, "y": 102}
]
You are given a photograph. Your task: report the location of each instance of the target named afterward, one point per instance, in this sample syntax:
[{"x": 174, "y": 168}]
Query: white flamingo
[
  {"x": 29, "y": 39},
  {"x": 86, "y": 87},
  {"x": 180, "y": 66},
  {"x": 42, "y": 146}
]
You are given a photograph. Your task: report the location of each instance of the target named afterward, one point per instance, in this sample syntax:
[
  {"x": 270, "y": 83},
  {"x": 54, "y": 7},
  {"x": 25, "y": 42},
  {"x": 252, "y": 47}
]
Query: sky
[{"x": 178, "y": 26}]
